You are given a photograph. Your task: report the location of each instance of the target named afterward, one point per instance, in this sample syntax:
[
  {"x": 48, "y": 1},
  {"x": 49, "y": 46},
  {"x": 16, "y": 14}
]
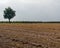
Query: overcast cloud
[{"x": 32, "y": 10}]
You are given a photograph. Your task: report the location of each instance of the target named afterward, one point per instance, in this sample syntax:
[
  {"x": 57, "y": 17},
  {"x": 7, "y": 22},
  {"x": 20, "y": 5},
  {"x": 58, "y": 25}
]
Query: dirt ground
[{"x": 27, "y": 35}]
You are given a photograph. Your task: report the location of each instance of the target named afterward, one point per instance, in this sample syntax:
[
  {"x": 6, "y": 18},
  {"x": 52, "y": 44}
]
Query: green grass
[{"x": 29, "y": 22}]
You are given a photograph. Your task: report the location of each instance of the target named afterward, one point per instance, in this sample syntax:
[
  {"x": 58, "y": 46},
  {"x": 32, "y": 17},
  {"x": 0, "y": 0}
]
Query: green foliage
[{"x": 9, "y": 13}]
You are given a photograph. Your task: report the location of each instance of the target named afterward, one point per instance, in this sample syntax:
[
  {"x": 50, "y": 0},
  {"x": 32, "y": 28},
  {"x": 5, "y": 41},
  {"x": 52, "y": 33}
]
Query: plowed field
[{"x": 27, "y": 35}]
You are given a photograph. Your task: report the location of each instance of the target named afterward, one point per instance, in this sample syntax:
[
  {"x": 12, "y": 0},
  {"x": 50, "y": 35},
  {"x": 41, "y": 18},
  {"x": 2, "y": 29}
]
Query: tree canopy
[{"x": 9, "y": 13}]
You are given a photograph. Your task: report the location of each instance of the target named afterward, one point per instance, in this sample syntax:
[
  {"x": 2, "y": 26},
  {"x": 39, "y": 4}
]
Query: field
[{"x": 30, "y": 35}]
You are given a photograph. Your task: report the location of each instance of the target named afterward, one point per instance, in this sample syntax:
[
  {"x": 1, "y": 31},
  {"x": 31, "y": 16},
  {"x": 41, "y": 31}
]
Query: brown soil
[{"x": 39, "y": 35}]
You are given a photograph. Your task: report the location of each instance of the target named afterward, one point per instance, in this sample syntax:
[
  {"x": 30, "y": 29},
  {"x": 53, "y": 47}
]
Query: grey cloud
[{"x": 34, "y": 10}]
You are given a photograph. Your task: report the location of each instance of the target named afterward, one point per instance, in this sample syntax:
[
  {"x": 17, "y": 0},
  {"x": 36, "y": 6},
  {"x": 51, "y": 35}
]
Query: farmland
[{"x": 30, "y": 35}]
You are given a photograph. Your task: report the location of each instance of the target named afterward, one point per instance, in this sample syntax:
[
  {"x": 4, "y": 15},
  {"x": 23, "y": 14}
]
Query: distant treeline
[{"x": 29, "y": 22}]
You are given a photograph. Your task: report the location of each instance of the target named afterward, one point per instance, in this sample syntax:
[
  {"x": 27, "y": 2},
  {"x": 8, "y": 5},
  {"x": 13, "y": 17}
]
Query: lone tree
[{"x": 9, "y": 13}]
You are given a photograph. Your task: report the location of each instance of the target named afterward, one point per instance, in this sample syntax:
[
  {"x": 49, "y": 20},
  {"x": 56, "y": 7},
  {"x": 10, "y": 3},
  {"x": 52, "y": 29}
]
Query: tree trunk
[{"x": 9, "y": 20}]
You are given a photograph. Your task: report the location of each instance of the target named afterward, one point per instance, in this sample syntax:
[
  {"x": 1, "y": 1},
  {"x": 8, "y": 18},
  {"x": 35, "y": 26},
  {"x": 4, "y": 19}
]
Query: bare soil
[{"x": 21, "y": 35}]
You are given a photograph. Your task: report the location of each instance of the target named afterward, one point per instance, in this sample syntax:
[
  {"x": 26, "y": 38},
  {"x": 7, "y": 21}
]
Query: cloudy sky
[{"x": 32, "y": 10}]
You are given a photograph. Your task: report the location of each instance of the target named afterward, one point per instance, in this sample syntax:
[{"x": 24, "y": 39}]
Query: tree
[{"x": 9, "y": 13}]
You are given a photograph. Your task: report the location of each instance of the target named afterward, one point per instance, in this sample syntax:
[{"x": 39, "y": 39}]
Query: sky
[{"x": 32, "y": 10}]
